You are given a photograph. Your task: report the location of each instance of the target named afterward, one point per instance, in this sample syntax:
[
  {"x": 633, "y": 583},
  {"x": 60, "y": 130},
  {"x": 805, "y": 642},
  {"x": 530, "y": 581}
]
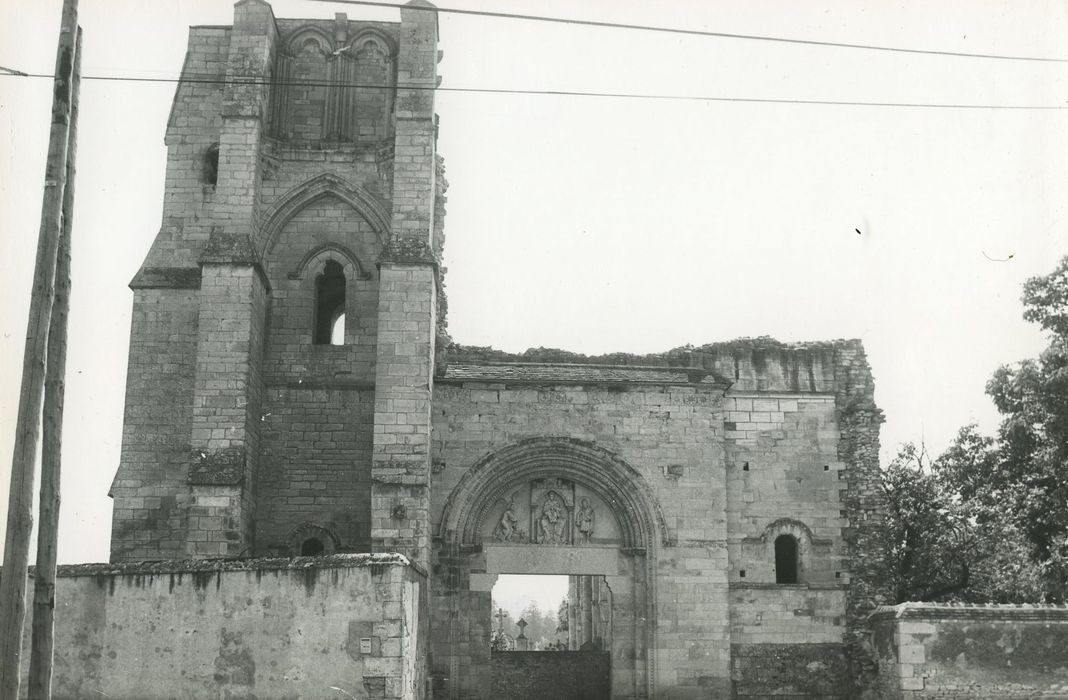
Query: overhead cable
[
  {"x": 560, "y": 93},
  {"x": 695, "y": 32}
]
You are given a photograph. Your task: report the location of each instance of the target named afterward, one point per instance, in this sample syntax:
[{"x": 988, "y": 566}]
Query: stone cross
[
  {"x": 501, "y": 614},
  {"x": 521, "y": 642}
]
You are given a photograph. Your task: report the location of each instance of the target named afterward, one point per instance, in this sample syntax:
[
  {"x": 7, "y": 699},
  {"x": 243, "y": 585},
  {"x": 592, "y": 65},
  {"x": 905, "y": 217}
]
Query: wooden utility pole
[
  {"x": 20, "y": 496},
  {"x": 44, "y": 578}
]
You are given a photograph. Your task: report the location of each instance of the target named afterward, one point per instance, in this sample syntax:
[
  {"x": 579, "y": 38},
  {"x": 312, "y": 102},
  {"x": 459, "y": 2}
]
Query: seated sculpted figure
[{"x": 553, "y": 520}]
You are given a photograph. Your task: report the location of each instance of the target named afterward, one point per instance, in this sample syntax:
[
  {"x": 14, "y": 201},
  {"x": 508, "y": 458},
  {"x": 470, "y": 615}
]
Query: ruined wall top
[{"x": 745, "y": 364}]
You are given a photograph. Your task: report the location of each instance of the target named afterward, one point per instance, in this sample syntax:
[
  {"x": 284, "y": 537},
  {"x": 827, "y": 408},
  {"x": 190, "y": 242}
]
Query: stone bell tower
[{"x": 285, "y": 317}]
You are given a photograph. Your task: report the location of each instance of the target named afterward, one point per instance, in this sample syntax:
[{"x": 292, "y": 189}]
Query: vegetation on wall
[{"x": 987, "y": 521}]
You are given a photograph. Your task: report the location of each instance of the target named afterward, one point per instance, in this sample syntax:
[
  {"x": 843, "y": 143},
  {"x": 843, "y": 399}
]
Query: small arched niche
[{"x": 312, "y": 540}]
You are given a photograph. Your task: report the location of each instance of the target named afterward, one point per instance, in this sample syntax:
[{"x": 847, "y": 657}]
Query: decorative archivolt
[
  {"x": 372, "y": 39},
  {"x": 478, "y": 494},
  {"x": 300, "y": 534},
  {"x": 297, "y": 41},
  {"x": 307, "y": 37},
  {"x": 788, "y": 526},
  {"x": 319, "y": 255},
  {"x": 328, "y": 184}
]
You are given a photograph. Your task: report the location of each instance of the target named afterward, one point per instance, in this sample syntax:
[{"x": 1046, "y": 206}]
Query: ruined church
[{"x": 318, "y": 487}]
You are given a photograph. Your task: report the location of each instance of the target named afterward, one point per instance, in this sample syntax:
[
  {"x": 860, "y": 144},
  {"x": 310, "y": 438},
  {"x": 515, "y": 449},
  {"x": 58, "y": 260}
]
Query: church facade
[{"x": 293, "y": 396}]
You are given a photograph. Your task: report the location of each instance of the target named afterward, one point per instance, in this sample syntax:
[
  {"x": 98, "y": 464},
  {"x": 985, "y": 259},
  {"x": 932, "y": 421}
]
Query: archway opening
[
  {"x": 551, "y": 637},
  {"x": 540, "y": 602},
  {"x": 312, "y": 547}
]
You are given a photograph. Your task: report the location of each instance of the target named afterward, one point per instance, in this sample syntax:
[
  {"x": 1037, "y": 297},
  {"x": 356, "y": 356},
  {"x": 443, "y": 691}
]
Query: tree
[
  {"x": 943, "y": 546},
  {"x": 1030, "y": 474},
  {"x": 929, "y": 539},
  {"x": 988, "y": 520},
  {"x": 562, "y": 611}
]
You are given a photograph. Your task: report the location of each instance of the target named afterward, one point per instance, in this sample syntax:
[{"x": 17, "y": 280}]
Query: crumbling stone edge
[{"x": 179, "y": 566}]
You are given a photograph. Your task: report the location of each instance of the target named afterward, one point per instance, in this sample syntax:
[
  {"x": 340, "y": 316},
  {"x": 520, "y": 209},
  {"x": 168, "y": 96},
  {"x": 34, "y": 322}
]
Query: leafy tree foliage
[
  {"x": 929, "y": 538},
  {"x": 988, "y": 519},
  {"x": 1030, "y": 474},
  {"x": 945, "y": 547}
]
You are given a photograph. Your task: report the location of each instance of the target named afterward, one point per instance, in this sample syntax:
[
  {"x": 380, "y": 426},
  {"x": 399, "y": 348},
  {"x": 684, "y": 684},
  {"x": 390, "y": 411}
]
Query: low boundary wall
[
  {"x": 347, "y": 625},
  {"x": 928, "y": 650}
]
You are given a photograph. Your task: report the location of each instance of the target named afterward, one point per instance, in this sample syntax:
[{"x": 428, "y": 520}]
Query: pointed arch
[
  {"x": 289, "y": 204},
  {"x": 619, "y": 484},
  {"x": 354, "y": 269}
]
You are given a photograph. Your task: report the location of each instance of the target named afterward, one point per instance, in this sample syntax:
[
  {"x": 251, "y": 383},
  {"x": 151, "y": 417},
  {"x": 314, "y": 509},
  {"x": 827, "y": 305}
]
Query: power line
[
  {"x": 560, "y": 93},
  {"x": 696, "y": 32}
]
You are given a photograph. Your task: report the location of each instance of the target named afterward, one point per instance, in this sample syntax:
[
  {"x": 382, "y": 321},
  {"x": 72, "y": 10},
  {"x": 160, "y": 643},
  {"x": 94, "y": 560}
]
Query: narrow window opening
[
  {"x": 786, "y": 559},
  {"x": 311, "y": 547},
  {"x": 209, "y": 167},
  {"x": 330, "y": 306},
  {"x": 337, "y": 332}
]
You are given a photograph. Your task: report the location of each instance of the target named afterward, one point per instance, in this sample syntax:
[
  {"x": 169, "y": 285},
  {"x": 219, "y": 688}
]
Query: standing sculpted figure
[{"x": 584, "y": 520}]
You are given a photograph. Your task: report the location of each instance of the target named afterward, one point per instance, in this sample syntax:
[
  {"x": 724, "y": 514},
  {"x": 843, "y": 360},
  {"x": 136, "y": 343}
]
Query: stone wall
[
  {"x": 339, "y": 626},
  {"x": 149, "y": 489},
  {"x": 786, "y": 641},
  {"x": 783, "y": 477},
  {"x": 671, "y": 435},
  {"x": 787, "y": 614},
  {"x": 790, "y": 671},
  {"x": 315, "y": 467},
  {"x": 560, "y": 675},
  {"x": 927, "y": 650}
]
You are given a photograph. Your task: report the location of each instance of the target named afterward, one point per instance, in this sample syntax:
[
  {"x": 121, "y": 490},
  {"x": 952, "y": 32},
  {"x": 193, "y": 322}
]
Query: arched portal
[{"x": 546, "y": 506}]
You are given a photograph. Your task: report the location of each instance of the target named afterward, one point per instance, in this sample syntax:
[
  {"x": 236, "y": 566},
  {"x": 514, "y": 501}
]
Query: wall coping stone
[
  {"x": 178, "y": 566},
  {"x": 971, "y": 611},
  {"x": 562, "y": 373},
  {"x": 746, "y": 585}
]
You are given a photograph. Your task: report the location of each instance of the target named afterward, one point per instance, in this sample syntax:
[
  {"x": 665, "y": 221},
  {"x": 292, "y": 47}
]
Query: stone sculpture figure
[
  {"x": 584, "y": 520},
  {"x": 553, "y": 519},
  {"x": 507, "y": 529}
]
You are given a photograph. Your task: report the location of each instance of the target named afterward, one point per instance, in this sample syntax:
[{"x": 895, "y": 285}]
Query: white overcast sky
[{"x": 602, "y": 224}]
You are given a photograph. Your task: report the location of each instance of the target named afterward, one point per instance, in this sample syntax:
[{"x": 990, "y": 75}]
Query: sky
[{"x": 600, "y": 224}]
